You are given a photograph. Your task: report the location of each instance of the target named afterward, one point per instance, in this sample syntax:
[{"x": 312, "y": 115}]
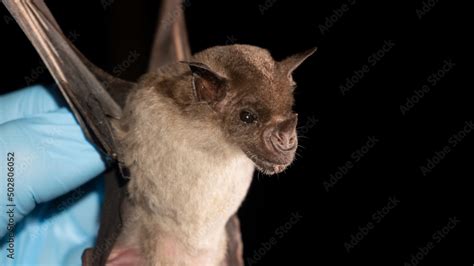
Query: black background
[{"x": 109, "y": 31}]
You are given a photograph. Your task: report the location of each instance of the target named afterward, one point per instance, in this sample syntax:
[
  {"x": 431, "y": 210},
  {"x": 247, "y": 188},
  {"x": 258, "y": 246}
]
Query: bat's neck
[
  {"x": 171, "y": 251},
  {"x": 144, "y": 241},
  {"x": 162, "y": 248},
  {"x": 187, "y": 181}
]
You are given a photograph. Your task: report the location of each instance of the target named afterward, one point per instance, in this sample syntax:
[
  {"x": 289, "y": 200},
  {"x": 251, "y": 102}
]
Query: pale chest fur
[{"x": 184, "y": 171}]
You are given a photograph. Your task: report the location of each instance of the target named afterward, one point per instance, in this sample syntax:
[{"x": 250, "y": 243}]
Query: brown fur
[{"x": 192, "y": 158}]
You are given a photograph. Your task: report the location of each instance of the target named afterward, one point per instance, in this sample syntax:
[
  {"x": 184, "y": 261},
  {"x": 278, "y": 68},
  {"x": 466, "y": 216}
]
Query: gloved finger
[
  {"x": 29, "y": 101},
  {"x": 57, "y": 232},
  {"x": 51, "y": 157}
]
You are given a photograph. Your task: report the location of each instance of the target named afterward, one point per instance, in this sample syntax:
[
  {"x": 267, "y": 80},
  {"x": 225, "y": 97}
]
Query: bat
[{"x": 183, "y": 140}]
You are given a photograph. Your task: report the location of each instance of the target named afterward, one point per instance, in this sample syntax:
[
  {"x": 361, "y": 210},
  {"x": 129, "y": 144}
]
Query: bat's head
[{"x": 252, "y": 95}]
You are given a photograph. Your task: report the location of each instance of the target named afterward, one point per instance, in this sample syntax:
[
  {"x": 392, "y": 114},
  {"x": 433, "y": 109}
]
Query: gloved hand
[{"x": 51, "y": 157}]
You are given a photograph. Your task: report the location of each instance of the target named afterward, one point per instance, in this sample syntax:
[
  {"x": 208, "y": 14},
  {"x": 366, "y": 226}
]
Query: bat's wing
[
  {"x": 84, "y": 87},
  {"x": 171, "y": 38},
  {"x": 235, "y": 248},
  {"x": 84, "y": 90}
]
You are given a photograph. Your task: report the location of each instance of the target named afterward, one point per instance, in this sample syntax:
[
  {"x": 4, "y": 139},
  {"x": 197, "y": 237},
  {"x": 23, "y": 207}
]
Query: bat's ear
[
  {"x": 289, "y": 64},
  {"x": 208, "y": 85}
]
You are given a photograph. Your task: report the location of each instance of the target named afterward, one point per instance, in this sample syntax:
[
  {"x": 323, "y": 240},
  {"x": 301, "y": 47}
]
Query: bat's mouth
[{"x": 265, "y": 166}]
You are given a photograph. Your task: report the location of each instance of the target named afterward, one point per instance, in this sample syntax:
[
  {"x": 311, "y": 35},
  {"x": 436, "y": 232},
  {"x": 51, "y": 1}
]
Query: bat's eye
[{"x": 248, "y": 117}]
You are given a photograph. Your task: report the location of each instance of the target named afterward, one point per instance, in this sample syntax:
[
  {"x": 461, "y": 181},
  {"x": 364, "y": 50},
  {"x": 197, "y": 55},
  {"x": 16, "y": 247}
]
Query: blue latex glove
[{"x": 51, "y": 158}]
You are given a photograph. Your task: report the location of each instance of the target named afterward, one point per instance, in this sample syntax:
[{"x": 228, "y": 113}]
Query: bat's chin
[{"x": 269, "y": 166}]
